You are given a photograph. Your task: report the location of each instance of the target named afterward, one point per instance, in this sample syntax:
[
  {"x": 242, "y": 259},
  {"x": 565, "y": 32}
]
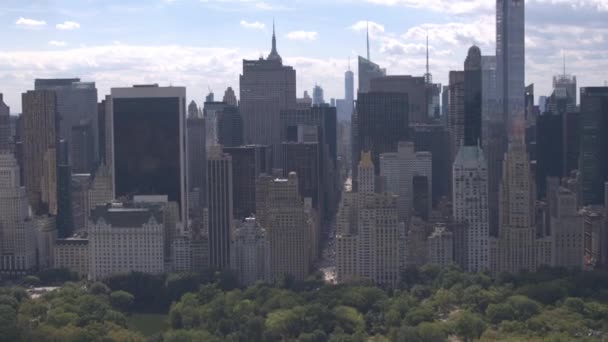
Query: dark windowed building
[{"x": 594, "y": 143}]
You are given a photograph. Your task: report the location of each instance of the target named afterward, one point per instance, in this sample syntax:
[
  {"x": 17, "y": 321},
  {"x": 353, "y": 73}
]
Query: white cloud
[
  {"x": 68, "y": 25},
  {"x": 255, "y": 25},
  {"x": 448, "y": 6},
  {"x": 57, "y": 43},
  {"x": 30, "y": 23},
  {"x": 302, "y": 35},
  {"x": 362, "y": 25}
]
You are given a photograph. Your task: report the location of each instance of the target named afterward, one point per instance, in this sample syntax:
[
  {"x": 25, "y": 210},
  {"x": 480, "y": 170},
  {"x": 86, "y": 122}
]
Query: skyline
[{"x": 201, "y": 44}]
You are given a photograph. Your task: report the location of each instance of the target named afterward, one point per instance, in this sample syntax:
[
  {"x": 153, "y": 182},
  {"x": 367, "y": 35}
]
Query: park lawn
[{"x": 148, "y": 324}]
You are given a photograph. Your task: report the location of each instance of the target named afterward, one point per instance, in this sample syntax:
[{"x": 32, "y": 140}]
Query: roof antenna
[
  {"x": 368, "y": 41},
  {"x": 348, "y": 63},
  {"x": 428, "y": 77}
]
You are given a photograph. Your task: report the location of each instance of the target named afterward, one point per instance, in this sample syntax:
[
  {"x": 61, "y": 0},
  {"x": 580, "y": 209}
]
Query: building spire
[
  {"x": 367, "y": 35},
  {"x": 274, "y": 54}
]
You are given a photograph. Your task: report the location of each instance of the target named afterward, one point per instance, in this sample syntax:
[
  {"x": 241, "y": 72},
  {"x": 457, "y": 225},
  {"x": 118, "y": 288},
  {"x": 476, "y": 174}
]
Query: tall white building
[
  {"x": 17, "y": 232},
  {"x": 368, "y": 233},
  {"x": 517, "y": 232},
  {"x": 470, "y": 205},
  {"x": 399, "y": 168},
  {"x": 124, "y": 239},
  {"x": 250, "y": 253}
]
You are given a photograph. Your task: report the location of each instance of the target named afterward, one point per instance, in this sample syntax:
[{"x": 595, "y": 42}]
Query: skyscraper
[
  {"x": 435, "y": 139},
  {"x": 473, "y": 97},
  {"x": 250, "y": 253},
  {"x": 17, "y": 233},
  {"x": 281, "y": 211},
  {"x": 40, "y": 124},
  {"x": 317, "y": 96},
  {"x": 5, "y": 125},
  {"x": 382, "y": 121},
  {"x": 510, "y": 58},
  {"x": 230, "y": 127},
  {"x": 266, "y": 87},
  {"x": 221, "y": 213},
  {"x": 368, "y": 71},
  {"x": 594, "y": 143},
  {"x": 489, "y": 95},
  {"x": 349, "y": 92},
  {"x": 230, "y": 97},
  {"x": 470, "y": 205},
  {"x": 517, "y": 230},
  {"x": 456, "y": 111},
  {"x": 82, "y": 148},
  {"x": 149, "y": 148},
  {"x": 568, "y": 230},
  {"x": 76, "y": 106},
  {"x": 197, "y": 155},
  {"x": 415, "y": 88},
  {"x": 248, "y": 163}
]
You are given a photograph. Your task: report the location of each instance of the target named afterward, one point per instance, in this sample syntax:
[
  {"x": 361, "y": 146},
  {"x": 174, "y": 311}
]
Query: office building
[
  {"x": 435, "y": 139},
  {"x": 567, "y": 230},
  {"x": 281, "y": 210},
  {"x": 381, "y": 122},
  {"x": 100, "y": 189},
  {"x": 594, "y": 143},
  {"x": 197, "y": 156},
  {"x": 517, "y": 233},
  {"x": 40, "y": 123},
  {"x": 421, "y": 197},
  {"x": 456, "y": 111},
  {"x": 250, "y": 253},
  {"x": 248, "y": 163},
  {"x": 368, "y": 233},
  {"x": 230, "y": 97},
  {"x": 76, "y": 106},
  {"x": 596, "y": 235},
  {"x": 72, "y": 254},
  {"x": 473, "y": 82},
  {"x": 124, "y": 239},
  {"x": 149, "y": 148},
  {"x": 230, "y": 127},
  {"x": 470, "y": 205},
  {"x": 5, "y": 126},
  {"x": 489, "y": 95},
  {"x": 317, "y": 96},
  {"x": 211, "y": 113},
  {"x": 65, "y": 215},
  {"x": 414, "y": 87},
  {"x": 399, "y": 169},
  {"x": 220, "y": 203},
  {"x": 266, "y": 87},
  {"x": 346, "y": 106},
  {"x": 441, "y": 247},
  {"x": 18, "y": 242},
  {"x": 80, "y": 186}
]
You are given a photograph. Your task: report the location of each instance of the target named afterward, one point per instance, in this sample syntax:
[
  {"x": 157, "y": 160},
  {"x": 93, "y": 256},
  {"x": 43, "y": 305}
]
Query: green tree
[
  {"x": 121, "y": 300},
  {"x": 8, "y": 323},
  {"x": 469, "y": 326},
  {"x": 99, "y": 288},
  {"x": 497, "y": 313}
]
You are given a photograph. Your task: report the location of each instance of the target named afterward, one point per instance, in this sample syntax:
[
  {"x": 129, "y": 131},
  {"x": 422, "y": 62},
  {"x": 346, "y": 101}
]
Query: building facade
[
  {"x": 250, "y": 253},
  {"x": 221, "y": 211}
]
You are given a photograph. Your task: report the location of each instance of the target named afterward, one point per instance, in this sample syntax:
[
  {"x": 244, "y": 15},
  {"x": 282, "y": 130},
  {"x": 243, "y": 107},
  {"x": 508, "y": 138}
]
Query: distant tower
[
  {"x": 317, "y": 96},
  {"x": 5, "y": 126},
  {"x": 428, "y": 78},
  {"x": 367, "y": 39},
  {"x": 230, "y": 97},
  {"x": 472, "y": 97},
  {"x": 366, "y": 174}
]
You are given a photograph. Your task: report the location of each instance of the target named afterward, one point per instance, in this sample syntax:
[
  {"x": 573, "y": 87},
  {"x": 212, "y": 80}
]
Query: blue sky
[{"x": 200, "y": 44}]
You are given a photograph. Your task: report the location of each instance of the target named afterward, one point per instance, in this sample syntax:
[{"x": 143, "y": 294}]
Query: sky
[{"x": 200, "y": 44}]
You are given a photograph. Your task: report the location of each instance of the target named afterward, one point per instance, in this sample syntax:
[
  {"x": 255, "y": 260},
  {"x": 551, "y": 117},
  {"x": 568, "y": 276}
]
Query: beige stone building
[{"x": 72, "y": 254}]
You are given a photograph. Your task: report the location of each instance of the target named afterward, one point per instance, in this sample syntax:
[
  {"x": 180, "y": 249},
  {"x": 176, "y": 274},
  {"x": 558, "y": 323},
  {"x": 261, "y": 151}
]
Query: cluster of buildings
[{"x": 409, "y": 172}]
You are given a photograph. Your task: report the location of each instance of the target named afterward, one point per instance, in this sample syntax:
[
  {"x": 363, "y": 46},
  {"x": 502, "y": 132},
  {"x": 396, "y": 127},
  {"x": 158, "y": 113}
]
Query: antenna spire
[
  {"x": 368, "y": 58},
  {"x": 428, "y": 77}
]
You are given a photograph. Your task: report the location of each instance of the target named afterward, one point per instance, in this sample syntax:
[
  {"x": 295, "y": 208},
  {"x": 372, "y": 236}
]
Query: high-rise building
[
  {"x": 594, "y": 143},
  {"x": 266, "y": 87},
  {"x": 567, "y": 230},
  {"x": 211, "y": 113},
  {"x": 368, "y": 71},
  {"x": 473, "y": 82},
  {"x": 489, "y": 95},
  {"x": 5, "y": 126},
  {"x": 421, "y": 197},
  {"x": 456, "y": 111},
  {"x": 250, "y": 253},
  {"x": 124, "y": 239},
  {"x": 304, "y": 158},
  {"x": 72, "y": 254},
  {"x": 470, "y": 205},
  {"x": 197, "y": 156},
  {"x": 381, "y": 121},
  {"x": 510, "y": 59},
  {"x": 281, "y": 210},
  {"x": 435, "y": 139},
  {"x": 220, "y": 204},
  {"x": 40, "y": 123},
  {"x": 347, "y": 105},
  {"x": 100, "y": 190},
  {"x": 368, "y": 232},
  {"x": 82, "y": 148},
  {"x": 149, "y": 148},
  {"x": 441, "y": 247},
  {"x": 17, "y": 232},
  {"x": 80, "y": 186},
  {"x": 317, "y": 96},
  {"x": 230, "y": 127},
  {"x": 76, "y": 106},
  {"x": 399, "y": 169},
  {"x": 414, "y": 87},
  {"x": 248, "y": 163},
  {"x": 230, "y": 97},
  {"x": 517, "y": 233}
]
